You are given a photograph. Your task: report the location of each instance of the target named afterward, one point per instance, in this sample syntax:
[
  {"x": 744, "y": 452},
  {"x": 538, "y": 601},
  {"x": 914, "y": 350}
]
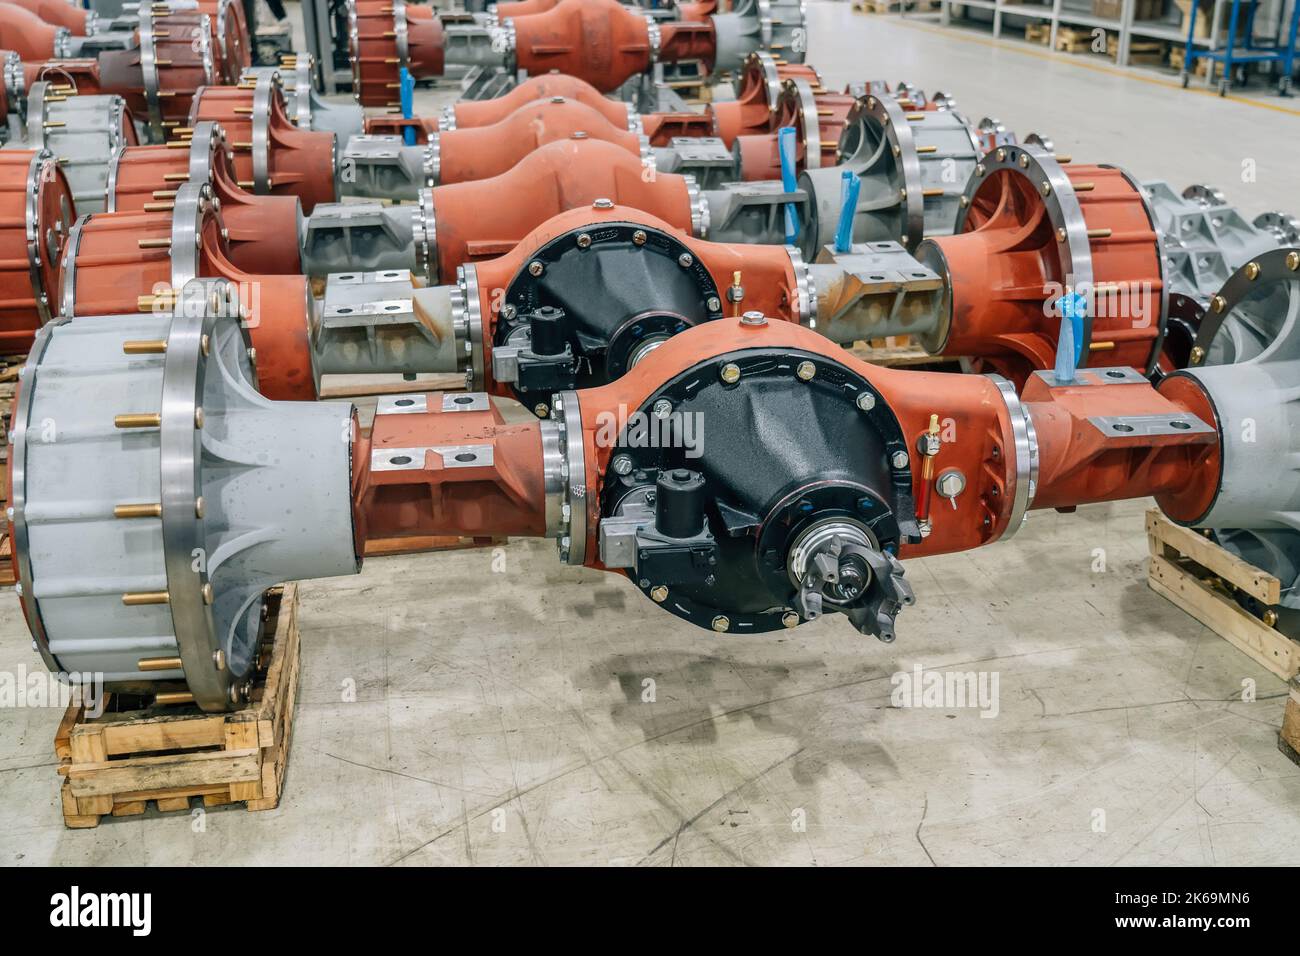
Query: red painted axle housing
[
  {"x": 124, "y": 258},
  {"x": 56, "y": 12},
  {"x": 753, "y": 111},
  {"x": 375, "y": 27},
  {"x": 1014, "y": 253},
  {"x": 262, "y": 231},
  {"x": 485, "y": 151},
  {"x": 26, "y": 33},
  {"x": 472, "y": 224},
  {"x": 1078, "y": 463},
  {"x": 36, "y": 213},
  {"x": 818, "y": 117},
  {"x": 298, "y": 162}
]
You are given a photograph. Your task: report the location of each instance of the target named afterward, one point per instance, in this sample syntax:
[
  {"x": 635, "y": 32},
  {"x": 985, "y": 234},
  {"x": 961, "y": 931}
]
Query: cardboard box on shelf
[{"x": 1142, "y": 9}]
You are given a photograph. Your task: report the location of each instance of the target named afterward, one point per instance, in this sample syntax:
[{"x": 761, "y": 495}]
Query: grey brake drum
[
  {"x": 156, "y": 495},
  {"x": 83, "y": 132},
  {"x": 1247, "y": 358}
]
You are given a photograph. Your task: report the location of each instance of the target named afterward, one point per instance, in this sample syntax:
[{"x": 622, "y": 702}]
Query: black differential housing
[
  {"x": 620, "y": 287},
  {"x": 775, "y": 453}
]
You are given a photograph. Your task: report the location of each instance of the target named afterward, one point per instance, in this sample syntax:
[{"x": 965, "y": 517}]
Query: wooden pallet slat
[
  {"x": 1187, "y": 569},
  {"x": 119, "y": 763}
]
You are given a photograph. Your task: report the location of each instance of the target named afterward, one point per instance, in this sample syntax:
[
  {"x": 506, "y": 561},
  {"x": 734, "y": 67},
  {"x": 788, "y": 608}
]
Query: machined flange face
[
  {"x": 424, "y": 234},
  {"x": 797, "y": 101},
  {"x": 1255, "y": 315},
  {"x": 1284, "y": 227},
  {"x": 268, "y": 88},
  {"x": 47, "y": 214},
  {"x": 700, "y": 215},
  {"x": 566, "y": 414},
  {"x": 1024, "y": 441},
  {"x": 857, "y": 486},
  {"x": 194, "y": 201},
  {"x": 212, "y": 319},
  {"x": 14, "y": 85},
  {"x": 653, "y": 35},
  {"x": 467, "y": 324},
  {"x": 805, "y": 289},
  {"x": 1030, "y": 175},
  {"x": 762, "y": 64},
  {"x": 878, "y": 143}
]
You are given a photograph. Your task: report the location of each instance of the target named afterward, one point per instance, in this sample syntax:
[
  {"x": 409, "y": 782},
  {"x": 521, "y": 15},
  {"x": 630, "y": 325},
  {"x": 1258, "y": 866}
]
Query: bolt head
[
  {"x": 721, "y": 623},
  {"x": 1197, "y": 356},
  {"x": 659, "y": 594},
  {"x": 1252, "y": 271},
  {"x": 730, "y": 373},
  {"x": 219, "y": 659},
  {"x": 584, "y": 241},
  {"x": 806, "y": 371},
  {"x": 1218, "y": 303},
  {"x": 899, "y": 459},
  {"x": 535, "y": 268},
  {"x": 685, "y": 260},
  {"x": 207, "y": 594},
  {"x": 508, "y": 312},
  {"x": 713, "y": 303},
  {"x": 603, "y": 204},
  {"x": 540, "y": 410},
  {"x": 638, "y": 237},
  {"x": 198, "y": 417},
  {"x": 199, "y": 507},
  {"x": 663, "y": 408},
  {"x": 252, "y": 355},
  {"x": 753, "y": 317},
  {"x": 1045, "y": 188},
  {"x": 205, "y": 343},
  {"x": 1293, "y": 261},
  {"x": 866, "y": 401},
  {"x": 1024, "y": 161},
  {"x": 1002, "y": 155},
  {"x": 790, "y": 619},
  {"x": 622, "y": 464}
]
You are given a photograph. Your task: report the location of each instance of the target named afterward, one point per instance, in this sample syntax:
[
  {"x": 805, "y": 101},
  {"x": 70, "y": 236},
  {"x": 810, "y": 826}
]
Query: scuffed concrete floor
[{"x": 493, "y": 708}]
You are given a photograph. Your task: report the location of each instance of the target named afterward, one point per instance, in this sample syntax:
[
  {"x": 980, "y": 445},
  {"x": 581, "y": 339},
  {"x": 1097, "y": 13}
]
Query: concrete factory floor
[{"x": 510, "y": 710}]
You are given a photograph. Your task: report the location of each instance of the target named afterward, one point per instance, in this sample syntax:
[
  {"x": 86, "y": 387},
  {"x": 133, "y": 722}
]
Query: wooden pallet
[
  {"x": 1072, "y": 40},
  {"x": 1202, "y": 578},
  {"x": 1288, "y": 738},
  {"x": 897, "y": 351},
  {"x": 121, "y": 761},
  {"x": 895, "y": 6},
  {"x": 380, "y": 547},
  {"x": 1140, "y": 52}
]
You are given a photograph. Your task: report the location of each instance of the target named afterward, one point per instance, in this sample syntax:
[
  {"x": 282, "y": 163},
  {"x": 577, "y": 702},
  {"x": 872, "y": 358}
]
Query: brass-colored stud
[
  {"x": 141, "y": 598},
  {"x": 137, "y": 420},
  {"x": 149, "y": 510},
  {"x": 148, "y": 664}
]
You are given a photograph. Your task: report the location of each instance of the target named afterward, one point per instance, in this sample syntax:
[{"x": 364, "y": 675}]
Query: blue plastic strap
[
  {"x": 406, "y": 91},
  {"x": 785, "y": 143},
  {"x": 1069, "y": 347},
  {"x": 850, "y": 185}
]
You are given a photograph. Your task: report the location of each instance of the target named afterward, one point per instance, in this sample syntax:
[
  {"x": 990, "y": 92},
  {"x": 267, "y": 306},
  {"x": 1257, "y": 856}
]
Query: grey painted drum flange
[
  {"x": 202, "y": 494},
  {"x": 82, "y": 131},
  {"x": 1247, "y": 359},
  {"x": 913, "y": 166}
]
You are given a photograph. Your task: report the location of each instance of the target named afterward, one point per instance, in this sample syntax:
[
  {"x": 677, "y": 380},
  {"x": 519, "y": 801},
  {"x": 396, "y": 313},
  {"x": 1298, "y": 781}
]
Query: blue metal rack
[{"x": 1281, "y": 50}]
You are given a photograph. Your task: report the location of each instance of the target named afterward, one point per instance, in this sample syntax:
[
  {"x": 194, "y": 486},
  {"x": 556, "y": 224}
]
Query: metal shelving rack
[{"x": 1126, "y": 27}]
